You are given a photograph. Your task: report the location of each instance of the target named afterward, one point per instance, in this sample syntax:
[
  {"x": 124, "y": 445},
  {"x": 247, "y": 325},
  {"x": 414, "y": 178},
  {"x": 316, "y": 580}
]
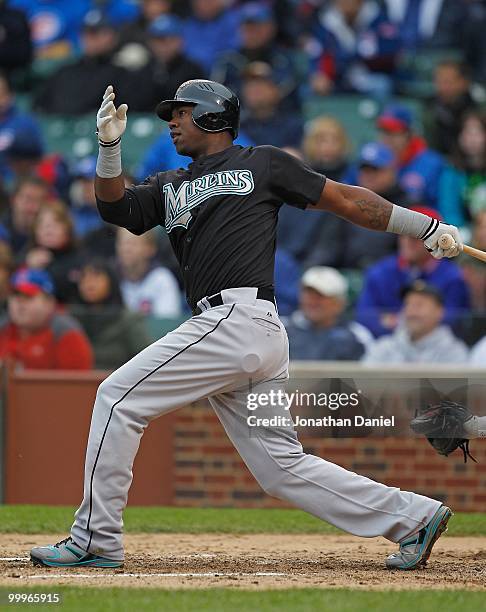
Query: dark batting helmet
[{"x": 216, "y": 108}]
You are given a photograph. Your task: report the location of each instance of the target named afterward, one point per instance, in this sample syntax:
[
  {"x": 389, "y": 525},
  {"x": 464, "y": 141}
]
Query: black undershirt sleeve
[
  {"x": 292, "y": 180},
  {"x": 139, "y": 210}
]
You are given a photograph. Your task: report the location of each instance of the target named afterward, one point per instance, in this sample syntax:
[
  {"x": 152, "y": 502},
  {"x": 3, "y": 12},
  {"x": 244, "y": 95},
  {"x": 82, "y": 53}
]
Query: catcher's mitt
[{"x": 443, "y": 425}]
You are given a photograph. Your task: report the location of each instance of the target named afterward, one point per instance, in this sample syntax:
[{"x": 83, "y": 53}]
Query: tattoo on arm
[{"x": 376, "y": 210}]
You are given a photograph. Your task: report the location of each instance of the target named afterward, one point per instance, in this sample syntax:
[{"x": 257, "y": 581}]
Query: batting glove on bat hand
[
  {"x": 111, "y": 122},
  {"x": 443, "y": 425},
  {"x": 431, "y": 241}
]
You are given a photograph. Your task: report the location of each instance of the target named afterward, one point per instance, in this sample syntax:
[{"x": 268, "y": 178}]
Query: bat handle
[
  {"x": 446, "y": 241},
  {"x": 481, "y": 255}
]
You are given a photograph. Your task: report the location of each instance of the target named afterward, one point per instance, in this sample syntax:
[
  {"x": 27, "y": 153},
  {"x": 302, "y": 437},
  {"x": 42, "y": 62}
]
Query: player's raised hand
[
  {"x": 110, "y": 121},
  {"x": 439, "y": 248}
]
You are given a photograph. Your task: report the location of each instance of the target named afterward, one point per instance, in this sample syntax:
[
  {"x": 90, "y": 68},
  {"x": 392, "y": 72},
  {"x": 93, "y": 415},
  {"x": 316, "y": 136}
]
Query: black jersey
[{"x": 220, "y": 214}]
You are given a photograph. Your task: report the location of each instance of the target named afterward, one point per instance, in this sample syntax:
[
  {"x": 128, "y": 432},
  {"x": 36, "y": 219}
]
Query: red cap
[
  {"x": 31, "y": 282},
  {"x": 395, "y": 118},
  {"x": 391, "y": 124},
  {"x": 426, "y": 210}
]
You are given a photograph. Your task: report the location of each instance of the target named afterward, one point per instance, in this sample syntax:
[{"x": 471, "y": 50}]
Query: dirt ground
[{"x": 253, "y": 561}]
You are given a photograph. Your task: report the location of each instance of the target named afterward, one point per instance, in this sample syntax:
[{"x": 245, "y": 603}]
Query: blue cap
[
  {"x": 85, "y": 167},
  {"x": 166, "y": 25},
  {"x": 376, "y": 154},
  {"x": 31, "y": 282},
  {"x": 256, "y": 12},
  {"x": 25, "y": 145},
  {"x": 395, "y": 118},
  {"x": 97, "y": 20}
]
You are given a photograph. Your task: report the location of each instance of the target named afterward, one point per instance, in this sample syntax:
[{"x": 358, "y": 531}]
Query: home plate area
[{"x": 259, "y": 561}]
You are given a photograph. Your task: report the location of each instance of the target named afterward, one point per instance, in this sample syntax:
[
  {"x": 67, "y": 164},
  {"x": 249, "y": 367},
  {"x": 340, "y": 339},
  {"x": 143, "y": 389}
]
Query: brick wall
[{"x": 209, "y": 472}]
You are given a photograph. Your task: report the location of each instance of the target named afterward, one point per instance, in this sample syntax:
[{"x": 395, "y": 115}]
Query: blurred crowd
[{"x": 78, "y": 293}]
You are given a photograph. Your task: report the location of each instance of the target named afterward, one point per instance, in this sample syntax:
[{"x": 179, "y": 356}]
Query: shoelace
[
  {"x": 416, "y": 539},
  {"x": 62, "y": 542}
]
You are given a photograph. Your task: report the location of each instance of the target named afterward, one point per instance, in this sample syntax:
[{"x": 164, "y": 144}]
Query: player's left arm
[{"x": 367, "y": 209}]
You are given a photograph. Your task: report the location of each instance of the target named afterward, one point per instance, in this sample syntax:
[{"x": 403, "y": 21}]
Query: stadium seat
[
  {"x": 418, "y": 67},
  {"x": 357, "y": 113},
  {"x": 75, "y": 137},
  {"x": 355, "y": 283}
]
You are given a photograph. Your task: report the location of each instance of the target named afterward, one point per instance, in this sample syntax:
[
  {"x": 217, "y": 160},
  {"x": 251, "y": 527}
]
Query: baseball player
[{"x": 221, "y": 214}]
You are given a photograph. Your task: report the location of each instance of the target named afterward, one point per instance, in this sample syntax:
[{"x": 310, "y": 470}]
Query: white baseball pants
[{"x": 215, "y": 355}]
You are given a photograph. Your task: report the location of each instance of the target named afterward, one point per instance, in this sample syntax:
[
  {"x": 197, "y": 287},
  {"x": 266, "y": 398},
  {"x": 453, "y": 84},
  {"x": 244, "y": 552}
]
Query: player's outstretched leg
[{"x": 345, "y": 499}]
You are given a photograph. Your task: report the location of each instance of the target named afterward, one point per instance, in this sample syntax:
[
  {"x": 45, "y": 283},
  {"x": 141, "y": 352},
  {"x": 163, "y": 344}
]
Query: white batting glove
[
  {"x": 111, "y": 122},
  {"x": 432, "y": 242}
]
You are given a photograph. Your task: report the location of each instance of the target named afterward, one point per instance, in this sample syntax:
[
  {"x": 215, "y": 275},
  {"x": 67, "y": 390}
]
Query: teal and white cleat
[
  {"x": 415, "y": 551},
  {"x": 68, "y": 554}
]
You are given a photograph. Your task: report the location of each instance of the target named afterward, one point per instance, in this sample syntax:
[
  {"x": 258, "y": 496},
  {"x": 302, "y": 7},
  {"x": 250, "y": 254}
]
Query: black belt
[{"x": 217, "y": 299}]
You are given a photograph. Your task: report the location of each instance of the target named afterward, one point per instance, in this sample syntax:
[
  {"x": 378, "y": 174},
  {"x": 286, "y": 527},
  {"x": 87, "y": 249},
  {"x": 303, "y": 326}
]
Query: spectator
[
  {"x": 28, "y": 197},
  {"x": 135, "y": 31},
  {"x": 358, "y": 49},
  {"x": 82, "y": 196},
  {"x": 326, "y": 149},
  {"x": 258, "y": 31},
  {"x": 289, "y": 22},
  {"x": 55, "y": 24},
  {"x": 419, "y": 168},
  {"x": 478, "y": 354},
  {"x": 4, "y": 199},
  {"x": 263, "y": 118},
  {"x": 474, "y": 41},
  {"x": 444, "y": 112},
  {"x": 317, "y": 331},
  {"x": 53, "y": 248},
  {"x": 287, "y": 279},
  {"x": 211, "y": 29},
  {"x": 377, "y": 171},
  {"x": 344, "y": 245},
  {"x": 13, "y": 122},
  {"x": 170, "y": 66},
  {"x": 15, "y": 43},
  {"x": 466, "y": 172},
  {"x": 146, "y": 287},
  {"x": 7, "y": 266},
  {"x": 34, "y": 334},
  {"x": 25, "y": 158},
  {"x": 116, "y": 333},
  {"x": 100, "y": 242},
  {"x": 120, "y": 12},
  {"x": 428, "y": 24},
  {"x": 381, "y": 298},
  {"x": 86, "y": 79},
  {"x": 23, "y": 154},
  {"x": 420, "y": 337}
]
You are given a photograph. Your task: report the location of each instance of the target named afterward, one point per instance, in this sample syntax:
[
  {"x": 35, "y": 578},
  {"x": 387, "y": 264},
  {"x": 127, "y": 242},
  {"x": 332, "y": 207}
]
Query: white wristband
[
  {"x": 411, "y": 223},
  {"x": 108, "y": 164}
]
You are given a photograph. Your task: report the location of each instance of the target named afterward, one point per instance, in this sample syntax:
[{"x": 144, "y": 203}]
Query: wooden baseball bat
[{"x": 446, "y": 241}]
